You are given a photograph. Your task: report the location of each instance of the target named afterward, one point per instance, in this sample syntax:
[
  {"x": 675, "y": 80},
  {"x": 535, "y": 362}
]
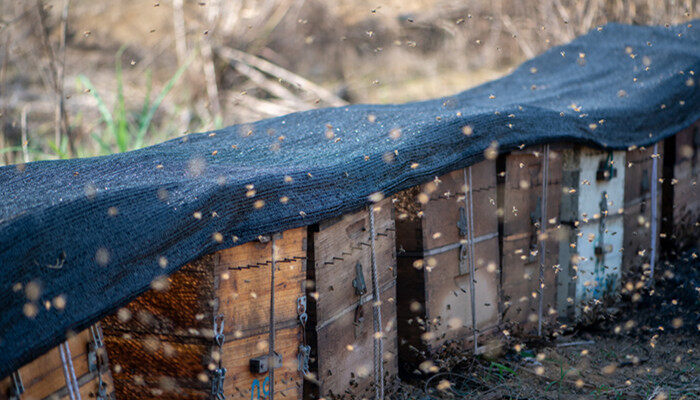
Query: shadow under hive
[{"x": 681, "y": 197}]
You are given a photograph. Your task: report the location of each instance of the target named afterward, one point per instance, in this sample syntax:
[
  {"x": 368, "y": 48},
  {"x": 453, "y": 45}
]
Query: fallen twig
[{"x": 281, "y": 73}]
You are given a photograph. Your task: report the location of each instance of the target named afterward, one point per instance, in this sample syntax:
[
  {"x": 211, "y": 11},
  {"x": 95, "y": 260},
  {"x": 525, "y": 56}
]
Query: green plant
[
  {"x": 501, "y": 370},
  {"x": 123, "y": 130}
]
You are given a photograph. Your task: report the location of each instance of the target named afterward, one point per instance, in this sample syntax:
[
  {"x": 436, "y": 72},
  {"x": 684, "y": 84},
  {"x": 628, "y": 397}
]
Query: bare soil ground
[{"x": 647, "y": 347}]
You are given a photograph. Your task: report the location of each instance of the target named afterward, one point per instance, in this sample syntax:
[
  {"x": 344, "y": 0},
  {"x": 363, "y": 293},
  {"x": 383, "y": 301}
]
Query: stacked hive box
[
  {"x": 641, "y": 222},
  {"x": 443, "y": 282},
  {"x": 78, "y": 368},
  {"x": 681, "y": 196},
  {"x": 340, "y": 330},
  {"x": 528, "y": 281},
  {"x": 163, "y": 344},
  {"x": 591, "y": 216}
]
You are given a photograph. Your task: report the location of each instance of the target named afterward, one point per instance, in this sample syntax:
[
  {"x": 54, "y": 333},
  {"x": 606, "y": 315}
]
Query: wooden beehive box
[
  {"x": 641, "y": 182},
  {"x": 591, "y": 215},
  {"x": 434, "y": 304},
  {"x": 681, "y": 196},
  {"x": 521, "y": 199},
  {"x": 340, "y": 306},
  {"x": 85, "y": 363},
  {"x": 162, "y": 344}
]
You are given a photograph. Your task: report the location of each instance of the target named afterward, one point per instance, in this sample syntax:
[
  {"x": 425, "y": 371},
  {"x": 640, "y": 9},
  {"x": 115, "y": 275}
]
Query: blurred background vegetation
[{"x": 81, "y": 78}]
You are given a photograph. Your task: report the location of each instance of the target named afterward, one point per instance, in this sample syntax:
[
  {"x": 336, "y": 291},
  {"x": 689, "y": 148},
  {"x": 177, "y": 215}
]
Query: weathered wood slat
[
  {"x": 341, "y": 319},
  {"x": 44, "y": 377},
  {"x": 434, "y": 303},
  {"x": 681, "y": 209},
  {"x": 638, "y": 213},
  {"x": 165, "y": 348},
  {"x": 591, "y": 261},
  {"x": 522, "y": 236}
]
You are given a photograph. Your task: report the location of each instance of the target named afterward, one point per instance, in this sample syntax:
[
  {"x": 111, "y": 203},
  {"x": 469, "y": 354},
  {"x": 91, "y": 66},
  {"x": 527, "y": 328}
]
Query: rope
[
  {"x": 377, "y": 316},
  {"x": 654, "y": 209},
  {"x": 69, "y": 372},
  {"x": 271, "y": 357},
  {"x": 543, "y": 241}
]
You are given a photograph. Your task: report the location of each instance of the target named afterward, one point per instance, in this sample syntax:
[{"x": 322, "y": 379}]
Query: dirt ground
[{"x": 645, "y": 347}]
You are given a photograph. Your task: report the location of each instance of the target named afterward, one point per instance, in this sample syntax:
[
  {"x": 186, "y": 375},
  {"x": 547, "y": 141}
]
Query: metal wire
[
  {"x": 377, "y": 314},
  {"x": 542, "y": 237}
]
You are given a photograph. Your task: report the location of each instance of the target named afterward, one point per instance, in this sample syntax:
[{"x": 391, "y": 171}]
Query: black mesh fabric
[{"x": 97, "y": 231}]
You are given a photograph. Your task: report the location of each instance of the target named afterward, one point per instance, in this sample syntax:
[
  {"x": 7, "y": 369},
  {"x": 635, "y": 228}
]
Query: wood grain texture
[
  {"x": 343, "y": 348},
  {"x": 637, "y": 215},
  {"x": 434, "y": 305},
  {"x": 686, "y": 196},
  {"x": 166, "y": 348},
  {"x": 44, "y": 377},
  {"x": 521, "y": 237}
]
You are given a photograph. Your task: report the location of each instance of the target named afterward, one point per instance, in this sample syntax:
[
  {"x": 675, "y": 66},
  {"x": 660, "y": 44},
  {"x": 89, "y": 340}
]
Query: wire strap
[
  {"x": 469, "y": 203},
  {"x": 271, "y": 357},
  {"x": 69, "y": 371},
  {"x": 17, "y": 386},
  {"x": 542, "y": 237},
  {"x": 654, "y": 208},
  {"x": 377, "y": 316}
]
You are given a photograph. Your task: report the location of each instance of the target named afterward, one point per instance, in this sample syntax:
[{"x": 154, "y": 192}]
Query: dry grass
[{"x": 358, "y": 50}]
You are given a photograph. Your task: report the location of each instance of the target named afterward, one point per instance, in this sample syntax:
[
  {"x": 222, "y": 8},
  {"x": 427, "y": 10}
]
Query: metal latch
[
  {"x": 261, "y": 364},
  {"x": 601, "y": 249},
  {"x": 606, "y": 171},
  {"x": 359, "y": 282},
  {"x": 462, "y": 222},
  {"x": 357, "y": 321}
]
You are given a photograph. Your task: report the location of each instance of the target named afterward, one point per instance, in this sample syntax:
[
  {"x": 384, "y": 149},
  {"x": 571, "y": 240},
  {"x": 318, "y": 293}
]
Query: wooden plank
[
  {"x": 686, "y": 197},
  {"x": 338, "y": 246},
  {"x": 441, "y": 213},
  {"x": 637, "y": 217},
  {"x": 594, "y": 276},
  {"x": 44, "y": 377},
  {"x": 239, "y": 380},
  {"x": 346, "y": 350},
  {"x": 448, "y": 304},
  {"x": 165, "y": 350},
  {"x": 434, "y": 306},
  {"x": 522, "y": 196}
]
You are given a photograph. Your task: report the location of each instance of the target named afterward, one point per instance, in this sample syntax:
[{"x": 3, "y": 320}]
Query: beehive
[
  {"x": 163, "y": 343},
  {"x": 591, "y": 216},
  {"x": 341, "y": 328},
  {"x": 681, "y": 197},
  {"x": 436, "y": 222},
  {"x": 642, "y": 224},
  {"x": 529, "y": 281},
  {"x": 77, "y": 368}
]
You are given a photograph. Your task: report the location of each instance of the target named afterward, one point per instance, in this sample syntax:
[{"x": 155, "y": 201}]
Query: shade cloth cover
[{"x": 96, "y": 232}]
